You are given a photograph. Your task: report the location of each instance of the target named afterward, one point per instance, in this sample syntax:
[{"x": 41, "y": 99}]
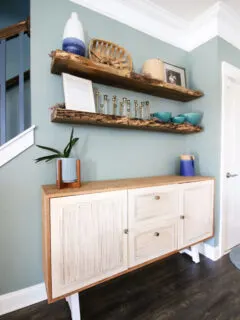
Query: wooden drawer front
[
  {"x": 153, "y": 203},
  {"x": 152, "y": 242}
]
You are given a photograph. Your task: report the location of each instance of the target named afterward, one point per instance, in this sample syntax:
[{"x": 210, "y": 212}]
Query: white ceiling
[
  {"x": 191, "y": 9},
  {"x": 185, "y": 24}
]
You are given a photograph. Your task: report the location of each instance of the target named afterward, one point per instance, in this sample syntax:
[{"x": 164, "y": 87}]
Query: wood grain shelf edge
[
  {"x": 60, "y": 115},
  {"x": 82, "y": 67}
]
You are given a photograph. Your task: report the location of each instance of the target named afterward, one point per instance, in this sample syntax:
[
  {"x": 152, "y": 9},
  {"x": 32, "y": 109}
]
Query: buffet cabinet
[{"x": 108, "y": 228}]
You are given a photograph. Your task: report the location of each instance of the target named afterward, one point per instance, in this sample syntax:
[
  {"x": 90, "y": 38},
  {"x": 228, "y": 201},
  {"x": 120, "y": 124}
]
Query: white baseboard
[
  {"x": 210, "y": 252},
  {"x": 22, "y": 298}
]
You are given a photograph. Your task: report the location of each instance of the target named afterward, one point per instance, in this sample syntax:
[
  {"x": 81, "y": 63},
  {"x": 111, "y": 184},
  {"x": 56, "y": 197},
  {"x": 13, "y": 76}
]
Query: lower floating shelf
[{"x": 61, "y": 115}]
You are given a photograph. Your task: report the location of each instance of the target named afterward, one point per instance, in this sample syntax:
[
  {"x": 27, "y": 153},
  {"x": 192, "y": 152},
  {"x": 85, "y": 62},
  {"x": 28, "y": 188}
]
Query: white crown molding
[
  {"x": 228, "y": 25},
  {"x": 203, "y": 28},
  {"x": 17, "y": 145},
  {"x": 143, "y": 15},
  {"x": 147, "y": 7},
  {"x": 22, "y": 298}
]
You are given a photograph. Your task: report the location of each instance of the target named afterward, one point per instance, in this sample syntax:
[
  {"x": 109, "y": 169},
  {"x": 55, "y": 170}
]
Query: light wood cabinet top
[{"x": 51, "y": 191}]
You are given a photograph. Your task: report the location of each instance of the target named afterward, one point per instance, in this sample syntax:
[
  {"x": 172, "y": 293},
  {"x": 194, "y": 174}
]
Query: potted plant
[{"x": 69, "y": 173}]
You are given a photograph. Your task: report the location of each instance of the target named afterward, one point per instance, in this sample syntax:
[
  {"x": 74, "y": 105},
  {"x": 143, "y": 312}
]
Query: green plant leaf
[
  {"x": 47, "y": 158},
  {"x": 66, "y": 150},
  {"x": 74, "y": 141},
  {"x": 69, "y": 147},
  {"x": 49, "y": 149},
  {"x": 58, "y": 154},
  {"x": 71, "y": 136}
]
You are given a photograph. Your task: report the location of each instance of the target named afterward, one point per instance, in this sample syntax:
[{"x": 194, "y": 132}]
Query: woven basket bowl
[{"x": 111, "y": 54}]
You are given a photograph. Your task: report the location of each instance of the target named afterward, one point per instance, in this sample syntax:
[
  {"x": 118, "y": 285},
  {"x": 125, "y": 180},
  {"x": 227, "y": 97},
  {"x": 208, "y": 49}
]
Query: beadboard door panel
[
  {"x": 88, "y": 242},
  {"x": 152, "y": 240},
  {"x": 197, "y": 206},
  {"x": 154, "y": 202}
]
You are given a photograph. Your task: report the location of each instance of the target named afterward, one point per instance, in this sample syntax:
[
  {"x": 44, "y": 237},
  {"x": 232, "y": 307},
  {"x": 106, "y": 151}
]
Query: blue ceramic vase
[{"x": 73, "y": 37}]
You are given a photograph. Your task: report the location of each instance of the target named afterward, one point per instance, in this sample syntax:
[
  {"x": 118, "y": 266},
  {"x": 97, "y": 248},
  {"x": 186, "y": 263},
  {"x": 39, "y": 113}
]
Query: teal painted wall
[
  {"x": 228, "y": 53},
  {"x": 13, "y": 11},
  {"x": 105, "y": 153},
  {"x": 205, "y": 74}
]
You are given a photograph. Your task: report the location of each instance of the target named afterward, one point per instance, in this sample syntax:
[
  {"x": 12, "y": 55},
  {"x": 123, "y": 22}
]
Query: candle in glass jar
[
  {"x": 105, "y": 102},
  {"x": 136, "y": 108},
  {"x": 128, "y": 108},
  {"x": 114, "y": 107}
]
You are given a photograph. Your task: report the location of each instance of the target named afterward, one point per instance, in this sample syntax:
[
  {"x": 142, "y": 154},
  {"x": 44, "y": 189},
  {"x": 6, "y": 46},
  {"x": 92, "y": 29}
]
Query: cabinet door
[
  {"x": 88, "y": 242},
  {"x": 150, "y": 241},
  {"x": 196, "y": 221}
]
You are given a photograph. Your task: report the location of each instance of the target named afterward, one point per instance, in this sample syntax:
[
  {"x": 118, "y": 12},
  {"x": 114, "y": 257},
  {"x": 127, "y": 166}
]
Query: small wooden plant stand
[{"x": 61, "y": 184}]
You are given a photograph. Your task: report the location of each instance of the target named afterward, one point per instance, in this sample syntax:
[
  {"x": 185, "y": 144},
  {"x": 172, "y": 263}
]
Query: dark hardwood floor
[{"x": 172, "y": 289}]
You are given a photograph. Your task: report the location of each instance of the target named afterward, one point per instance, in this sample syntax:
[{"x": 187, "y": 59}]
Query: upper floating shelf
[{"x": 82, "y": 67}]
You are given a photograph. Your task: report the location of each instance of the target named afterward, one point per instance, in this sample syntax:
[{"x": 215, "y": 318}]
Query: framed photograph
[
  {"x": 78, "y": 93},
  {"x": 174, "y": 75}
]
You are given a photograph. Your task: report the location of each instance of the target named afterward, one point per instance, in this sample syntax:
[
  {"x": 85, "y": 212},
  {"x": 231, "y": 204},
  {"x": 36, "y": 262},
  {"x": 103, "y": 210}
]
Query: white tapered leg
[
  {"x": 74, "y": 305},
  {"x": 194, "y": 253}
]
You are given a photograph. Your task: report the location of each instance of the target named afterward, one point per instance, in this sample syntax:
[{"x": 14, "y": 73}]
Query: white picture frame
[
  {"x": 78, "y": 93},
  {"x": 174, "y": 75}
]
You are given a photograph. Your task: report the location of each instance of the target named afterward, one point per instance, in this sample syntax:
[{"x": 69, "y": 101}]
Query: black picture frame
[{"x": 175, "y": 75}]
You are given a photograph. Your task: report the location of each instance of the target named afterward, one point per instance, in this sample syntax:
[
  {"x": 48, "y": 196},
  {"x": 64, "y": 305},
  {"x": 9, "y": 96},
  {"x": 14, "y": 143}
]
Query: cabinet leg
[
  {"x": 74, "y": 305},
  {"x": 194, "y": 253}
]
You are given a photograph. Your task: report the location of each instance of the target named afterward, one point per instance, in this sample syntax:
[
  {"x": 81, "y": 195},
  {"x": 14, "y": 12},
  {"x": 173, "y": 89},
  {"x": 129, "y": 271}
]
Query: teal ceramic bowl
[
  {"x": 163, "y": 116},
  {"x": 193, "y": 117},
  {"x": 178, "y": 119}
]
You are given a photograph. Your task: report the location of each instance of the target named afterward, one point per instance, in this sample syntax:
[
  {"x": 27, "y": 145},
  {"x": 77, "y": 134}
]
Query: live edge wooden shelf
[
  {"x": 82, "y": 67},
  {"x": 61, "y": 115}
]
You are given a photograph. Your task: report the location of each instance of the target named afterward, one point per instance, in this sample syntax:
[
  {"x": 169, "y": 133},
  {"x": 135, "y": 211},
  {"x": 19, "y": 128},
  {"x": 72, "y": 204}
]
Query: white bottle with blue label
[{"x": 73, "y": 37}]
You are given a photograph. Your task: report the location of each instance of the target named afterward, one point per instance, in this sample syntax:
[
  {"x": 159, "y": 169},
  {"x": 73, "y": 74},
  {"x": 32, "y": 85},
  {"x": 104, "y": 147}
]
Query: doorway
[{"x": 230, "y": 159}]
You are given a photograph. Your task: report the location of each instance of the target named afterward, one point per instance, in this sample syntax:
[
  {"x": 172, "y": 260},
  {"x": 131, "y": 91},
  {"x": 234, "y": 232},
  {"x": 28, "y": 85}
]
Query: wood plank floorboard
[{"x": 172, "y": 289}]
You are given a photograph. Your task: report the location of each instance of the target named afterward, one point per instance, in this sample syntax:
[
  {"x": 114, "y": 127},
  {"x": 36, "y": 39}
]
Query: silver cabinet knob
[
  {"x": 182, "y": 217},
  {"x": 229, "y": 175},
  {"x": 156, "y": 234},
  {"x": 126, "y": 231}
]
